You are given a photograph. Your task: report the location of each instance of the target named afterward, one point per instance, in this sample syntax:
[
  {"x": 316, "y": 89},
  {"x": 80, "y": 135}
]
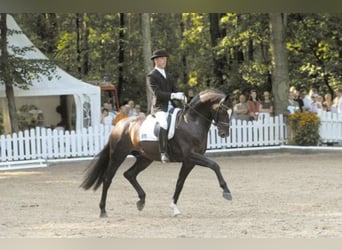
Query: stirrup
[{"x": 164, "y": 158}]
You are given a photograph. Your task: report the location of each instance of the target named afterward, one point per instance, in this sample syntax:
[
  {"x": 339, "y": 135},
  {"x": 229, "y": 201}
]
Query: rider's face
[{"x": 160, "y": 62}]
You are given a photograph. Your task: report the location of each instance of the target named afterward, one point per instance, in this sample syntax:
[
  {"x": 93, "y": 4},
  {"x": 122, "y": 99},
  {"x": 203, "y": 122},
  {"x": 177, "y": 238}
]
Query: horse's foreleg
[
  {"x": 113, "y": 166},
  {"x": 131, "y": 175},
  {"x": 183, "y": 174},
  {"x": 201, "y": 160}
]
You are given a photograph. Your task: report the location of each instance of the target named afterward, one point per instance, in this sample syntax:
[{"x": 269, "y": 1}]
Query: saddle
[{"x": 149, "y": 129}]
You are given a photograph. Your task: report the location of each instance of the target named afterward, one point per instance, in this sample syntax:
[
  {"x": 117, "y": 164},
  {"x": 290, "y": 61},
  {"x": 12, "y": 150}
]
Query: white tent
[{"x": 45, "y": 93}]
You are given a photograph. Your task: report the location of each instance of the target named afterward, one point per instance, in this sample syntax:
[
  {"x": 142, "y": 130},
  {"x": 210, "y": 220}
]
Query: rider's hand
[{"x": 178, "y": 96}]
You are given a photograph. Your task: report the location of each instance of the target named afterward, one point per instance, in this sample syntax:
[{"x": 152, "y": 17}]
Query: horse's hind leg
[
  {"x": 113, "y": 165},
  {"x": 131, "y": 175}
]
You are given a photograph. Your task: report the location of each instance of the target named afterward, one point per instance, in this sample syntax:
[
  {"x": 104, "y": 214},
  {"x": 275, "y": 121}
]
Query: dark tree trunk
[
  {"x": 185, "y": 74},
  {"x": 146, "y": 34},
  {"x": 47, "y": 30},
  {"x": 215, "y": 35},
  {"x": 78, "y": 44},
  {"x": 121, "y": 53},
  {"x": 280, "y": 71},
  {"x": 85, "y": 48},
  {"x": 6, "y": 74}
]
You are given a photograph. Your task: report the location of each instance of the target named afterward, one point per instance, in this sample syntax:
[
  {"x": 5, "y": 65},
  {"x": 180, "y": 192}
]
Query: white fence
[
  {"x": 268, "y": 132},
  {"x": 38, "y": 145},
  {"x": 331, "y": 127},
  {"x": 42, "y": 143}
]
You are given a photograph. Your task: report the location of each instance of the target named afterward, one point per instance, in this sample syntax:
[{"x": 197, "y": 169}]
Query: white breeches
[{"x": 161, "y": 117}]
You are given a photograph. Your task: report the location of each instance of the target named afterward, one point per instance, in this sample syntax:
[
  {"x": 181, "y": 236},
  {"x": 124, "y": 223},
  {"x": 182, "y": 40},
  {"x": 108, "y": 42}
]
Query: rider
[{"x": 161, "y": 87}]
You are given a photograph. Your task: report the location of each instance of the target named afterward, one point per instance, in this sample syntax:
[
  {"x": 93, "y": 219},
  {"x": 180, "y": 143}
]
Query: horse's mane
[{"x": 208, "y": 94}]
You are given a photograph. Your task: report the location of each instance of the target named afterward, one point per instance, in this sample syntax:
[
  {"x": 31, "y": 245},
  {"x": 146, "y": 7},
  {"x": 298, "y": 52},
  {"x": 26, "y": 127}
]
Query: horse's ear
[{"x": 228, "y": 100}]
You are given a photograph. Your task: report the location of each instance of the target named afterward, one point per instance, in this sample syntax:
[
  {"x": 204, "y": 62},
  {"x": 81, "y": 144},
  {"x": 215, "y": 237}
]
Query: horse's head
[
  {"x": 221, "y": 115},
  {"x": 212, "y": 106}
]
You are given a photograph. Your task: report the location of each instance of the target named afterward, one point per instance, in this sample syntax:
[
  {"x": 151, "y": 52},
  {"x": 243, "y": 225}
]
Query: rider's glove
[{"x": 178, "y": 96}]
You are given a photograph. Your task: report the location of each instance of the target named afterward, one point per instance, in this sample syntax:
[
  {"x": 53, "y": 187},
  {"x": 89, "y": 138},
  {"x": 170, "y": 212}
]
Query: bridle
[
  {"x": 220, "y": 107},
  {"x": 224, "y": 107}
]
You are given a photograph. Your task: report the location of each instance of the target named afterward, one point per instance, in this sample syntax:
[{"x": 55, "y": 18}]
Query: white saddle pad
[{"x": 147, "y": 127}]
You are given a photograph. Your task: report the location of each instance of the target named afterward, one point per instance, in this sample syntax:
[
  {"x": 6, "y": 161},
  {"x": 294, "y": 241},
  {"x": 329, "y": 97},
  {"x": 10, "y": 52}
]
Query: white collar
[{"x": 162, "y": 71}]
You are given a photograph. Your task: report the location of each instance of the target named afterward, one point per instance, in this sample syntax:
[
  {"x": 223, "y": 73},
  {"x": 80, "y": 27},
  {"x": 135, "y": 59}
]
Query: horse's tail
[{"x": 96, "y": 169}]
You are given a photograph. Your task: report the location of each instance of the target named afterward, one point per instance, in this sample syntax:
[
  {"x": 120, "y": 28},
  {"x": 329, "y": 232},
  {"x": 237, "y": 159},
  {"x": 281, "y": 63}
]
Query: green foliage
[
  {"x": 306, "y": 128},
  {"x": 313, "y": 41},
  {"x": 315, "y": 50},
  {"x": 195, "y": 46},
  {"x": 22, "y": 71}
]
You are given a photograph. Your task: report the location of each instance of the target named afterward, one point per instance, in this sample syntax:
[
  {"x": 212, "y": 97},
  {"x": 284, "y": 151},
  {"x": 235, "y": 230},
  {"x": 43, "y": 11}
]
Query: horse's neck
[{"x": 199, "y": 119}]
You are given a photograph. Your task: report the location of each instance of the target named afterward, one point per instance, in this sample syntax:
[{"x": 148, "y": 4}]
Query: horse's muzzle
[{"x": 223, "y": 134}]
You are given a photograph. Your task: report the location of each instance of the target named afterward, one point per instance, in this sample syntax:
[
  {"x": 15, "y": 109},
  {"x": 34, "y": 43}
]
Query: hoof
[
  {"x": 227, "y": 196},
  {"x": 176, "y": 213},
  {"x": 140, "y": 205},
  {"x": 103, "y": 215}
]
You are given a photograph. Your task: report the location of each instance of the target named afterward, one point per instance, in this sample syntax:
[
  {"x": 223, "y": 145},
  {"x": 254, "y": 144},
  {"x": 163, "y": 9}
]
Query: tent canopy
[{"x": 87, "y": 96}]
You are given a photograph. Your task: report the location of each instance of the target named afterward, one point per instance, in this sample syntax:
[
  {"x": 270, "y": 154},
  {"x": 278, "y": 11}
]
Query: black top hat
[{"x": 159, "y": 53}]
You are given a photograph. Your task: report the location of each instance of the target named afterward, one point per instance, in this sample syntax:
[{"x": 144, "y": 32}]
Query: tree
[
  {"x": 315, "y": 54},
  {"x": 280, "y": 72},
  {"x": 121, "y": 53},
  {"x": 16, "y": 69},
  {"x": 228, "y": 51},
  {"x": 216, "y": 35},
  {"x": 5, "y": 72},
  {"x": 146, "y": 35}
]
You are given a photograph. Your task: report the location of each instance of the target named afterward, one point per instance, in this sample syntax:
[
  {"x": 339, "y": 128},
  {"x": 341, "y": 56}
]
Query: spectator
[
  {"x": 304, "y": 101},
  {"x": 315, "y": 106},
  {"x": 294, "y": 91},
  {"x": 293, "y": 105},
  {"x": 339, "y": 102},
  {"x": 253, "y": 105},
  {"x": 241, "y": 111},
  {"x": 123, "y": 113},
  {"x": 266, "y": 106},
  {"x": 131, "y": 109},
  {"x": 106, "y": 118},
  {"x": 138, "y": 111},
  {"x": 327, "y": 103}
]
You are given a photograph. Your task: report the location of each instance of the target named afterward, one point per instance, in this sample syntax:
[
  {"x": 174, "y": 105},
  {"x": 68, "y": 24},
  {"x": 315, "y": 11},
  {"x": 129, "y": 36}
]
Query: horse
[{"x": 187, "y": 146}]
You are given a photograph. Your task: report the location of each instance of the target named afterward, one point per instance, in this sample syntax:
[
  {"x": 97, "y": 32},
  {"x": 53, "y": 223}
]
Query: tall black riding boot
[{"x": 163, "y": 145}]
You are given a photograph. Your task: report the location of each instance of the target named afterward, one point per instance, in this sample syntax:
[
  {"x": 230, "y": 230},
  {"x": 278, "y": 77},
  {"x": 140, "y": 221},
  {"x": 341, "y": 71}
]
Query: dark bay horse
[{"x": 187, "y": 146}]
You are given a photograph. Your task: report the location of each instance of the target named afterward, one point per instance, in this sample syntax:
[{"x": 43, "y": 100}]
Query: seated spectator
[
  {"x": 123, "y": 113},
  {"x": 241, "y": 111}
]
